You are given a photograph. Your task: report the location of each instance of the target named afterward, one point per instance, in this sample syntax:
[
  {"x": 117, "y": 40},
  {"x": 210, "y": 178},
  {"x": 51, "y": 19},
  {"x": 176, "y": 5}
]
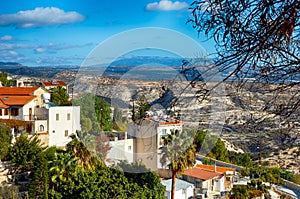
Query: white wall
[
  {"x": 168, "y": 128},
  {"x": 182, "y": 193},
  {"x": 58, "y": 127},
  {"x": 120, "y": 150}
]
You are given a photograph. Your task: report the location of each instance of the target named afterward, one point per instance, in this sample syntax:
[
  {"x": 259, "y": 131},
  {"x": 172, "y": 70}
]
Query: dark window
[
  {"x": 57, "y": 116},
  {"x": 42, "y": 128},
  {"x": 14, "y": 111},
  {"x": 6, "y": 111},
  {"x": 0, "y": 112},
  {"x": 68, "y": 116}
]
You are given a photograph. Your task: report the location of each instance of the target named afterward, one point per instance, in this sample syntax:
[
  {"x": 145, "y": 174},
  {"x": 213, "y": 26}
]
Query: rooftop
[
  {"x": 55, "y": 83},
  {"x": 218, "y": 168},
  {"x": 15, "y": 100},
  {"x": 200, "y": 173},
  {"x": 17, "y": 90}
]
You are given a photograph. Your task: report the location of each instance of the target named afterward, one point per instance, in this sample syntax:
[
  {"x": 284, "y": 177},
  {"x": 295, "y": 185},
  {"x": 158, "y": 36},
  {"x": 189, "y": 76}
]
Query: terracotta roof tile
[
  {"x": 200, "y": 173},
  {"x": 218, "y": 168},
  {"x": 55, "y": 83},
  {"x": 17, "y": 90},
  {"x": 16, "y": 100}
]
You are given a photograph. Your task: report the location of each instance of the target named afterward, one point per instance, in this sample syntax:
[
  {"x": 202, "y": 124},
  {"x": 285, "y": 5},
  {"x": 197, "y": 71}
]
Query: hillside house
[
  {"x": 19, "y": 102},
  {"x": 207, "y": 183},
  {"x": 228, "y": 173},
  {"x": 49, "y": 85}
]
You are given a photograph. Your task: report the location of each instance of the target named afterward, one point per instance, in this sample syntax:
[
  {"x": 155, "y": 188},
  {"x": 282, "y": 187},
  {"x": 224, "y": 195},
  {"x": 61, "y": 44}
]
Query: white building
[
  {"x": 184, "y": 190},
  {"x": 121, "y": 150},
  {"x": 57, "y": 123}
]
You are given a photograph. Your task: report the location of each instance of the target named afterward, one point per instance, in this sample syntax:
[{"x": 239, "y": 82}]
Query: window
[
  {"x": 68, "y": 116},
  {"x": 53, "y": 131},
  {"x": 198, "y": 184},
  {"x": 183, "y": 191},
  {"x": 14, "y": 111},
  {"x": 163, "y": 132},
  {"x": 66, "y": 133},
  {"x": 42, "y": 128},
  {"x": 6, "y": 111},
  {"x": 57, "y": 116},
  {"x": 0, "y": 112},
  {"x": 129, "y": 148}
]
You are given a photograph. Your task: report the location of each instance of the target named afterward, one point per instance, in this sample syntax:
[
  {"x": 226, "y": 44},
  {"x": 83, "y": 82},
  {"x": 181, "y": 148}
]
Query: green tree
[
  {"x": 5, "y": 140},
  {"x": 4, "y": 79},
  {"x": 178, "y": 153},
  {"x": 143, "y": 177},
  {"x": 140, "y": 108},
  {"x": 85, "y": 158},
  {"x": 59, "y": 96},
  {"x": 24, "y": 152},
  {"x": 103, "y": 113}
]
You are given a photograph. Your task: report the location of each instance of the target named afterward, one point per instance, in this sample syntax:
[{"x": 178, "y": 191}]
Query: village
[{"x": 142, "y": 142}]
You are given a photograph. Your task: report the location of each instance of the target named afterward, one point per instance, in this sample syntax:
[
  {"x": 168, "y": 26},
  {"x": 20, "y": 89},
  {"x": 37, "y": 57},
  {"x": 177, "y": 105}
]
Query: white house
[
  {"x": 54, "y": 83},
  {"x": 59, "y": 124},
  {"x": 208, "y": 183},
  {"x": 184, "y": 189}
]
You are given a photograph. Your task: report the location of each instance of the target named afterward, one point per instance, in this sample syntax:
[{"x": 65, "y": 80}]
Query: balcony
[{"x": 35, "y": 117}]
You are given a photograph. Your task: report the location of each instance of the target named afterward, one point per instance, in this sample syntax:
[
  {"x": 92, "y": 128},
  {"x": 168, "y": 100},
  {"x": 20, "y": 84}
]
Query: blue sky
[{"x": 64, "y": 32}]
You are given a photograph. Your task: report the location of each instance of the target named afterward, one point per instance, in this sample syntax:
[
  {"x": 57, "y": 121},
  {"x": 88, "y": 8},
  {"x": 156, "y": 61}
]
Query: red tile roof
[
  {"x": 3, "y": 105},
  {"x": 17, "y": 90},
  {"x": 55, "y": 83},
  {"x": 16, "y": 100},
  {"x": 218, "y": 169},
  {"x": 200, "y": 173}
]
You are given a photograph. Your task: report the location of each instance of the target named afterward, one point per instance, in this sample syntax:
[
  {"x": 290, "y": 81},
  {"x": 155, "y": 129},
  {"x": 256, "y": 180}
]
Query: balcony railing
[{"x": 35, "y": 117}]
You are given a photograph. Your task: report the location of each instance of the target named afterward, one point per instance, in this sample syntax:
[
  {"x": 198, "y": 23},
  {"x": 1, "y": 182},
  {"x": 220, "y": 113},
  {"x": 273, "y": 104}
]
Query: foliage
[
  {"x": 296, "y": 178},
  {"x": 59, "y": 96},
  {"x": 178, "y": 153},
  {"x": 271, "y": 175},
  {"x": 9, "y": 192},
  {"x": 24, "y": 152},
  {"x": 5, "y": 81},
  {"x": 204, "y": 143},
  {"x": 103, "y": 114},
  {"x": 118, "y": 123},
  {"x": 140, "y": 108},
  {"x": 254, "y": 189},
  {"x": 102, "y": 146},
  {"x": 241, "y": 159},
  {"x": 85, "y": 158},
  {"x": 5, "y": 140},
  {"x": 143, "y": 177},
  {"x": 91, "y": 112}
]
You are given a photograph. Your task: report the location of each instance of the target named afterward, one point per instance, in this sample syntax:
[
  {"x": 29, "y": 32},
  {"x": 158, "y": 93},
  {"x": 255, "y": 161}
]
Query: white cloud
[
  {"x": 38, "y": 17},
  {"x": 166, "y": 5},
  {"x": 6, "y": 38}
]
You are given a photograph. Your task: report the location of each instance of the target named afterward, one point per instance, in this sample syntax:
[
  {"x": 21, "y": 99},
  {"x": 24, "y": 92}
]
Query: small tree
[{"x": 24, "y": 152}]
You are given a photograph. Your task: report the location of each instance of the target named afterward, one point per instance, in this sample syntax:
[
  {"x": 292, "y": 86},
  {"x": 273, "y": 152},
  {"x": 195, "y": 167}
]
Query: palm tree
[
  {"x": 178, "y": 154},
  {"x": 85, "y": 157}
]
